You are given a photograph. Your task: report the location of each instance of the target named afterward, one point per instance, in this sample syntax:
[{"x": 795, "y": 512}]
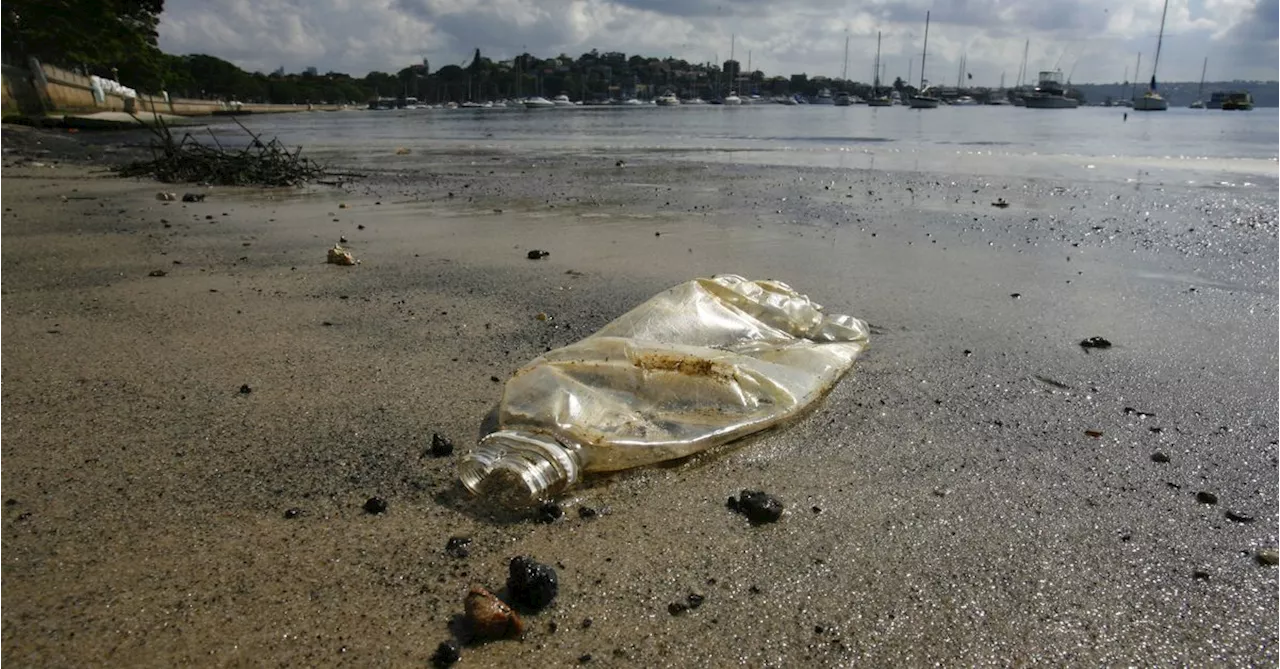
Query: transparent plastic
[{"x": 699, "y": 365}]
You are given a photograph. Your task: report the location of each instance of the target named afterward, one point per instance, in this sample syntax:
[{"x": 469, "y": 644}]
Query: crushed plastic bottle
[{"x": 696, "y": 366}]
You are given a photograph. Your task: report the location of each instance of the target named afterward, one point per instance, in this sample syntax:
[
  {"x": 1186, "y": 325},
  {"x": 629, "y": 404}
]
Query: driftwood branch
[{"x": 189, "y": 161}]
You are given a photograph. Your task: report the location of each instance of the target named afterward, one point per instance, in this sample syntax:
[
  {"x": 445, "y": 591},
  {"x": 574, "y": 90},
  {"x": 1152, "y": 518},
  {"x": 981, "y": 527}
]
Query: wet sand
[{"x": 945, "y": 504}]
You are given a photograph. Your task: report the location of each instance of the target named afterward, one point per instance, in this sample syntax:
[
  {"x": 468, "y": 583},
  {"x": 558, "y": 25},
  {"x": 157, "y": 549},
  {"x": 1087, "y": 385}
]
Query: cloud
[{"x": 1095, "y": 39}]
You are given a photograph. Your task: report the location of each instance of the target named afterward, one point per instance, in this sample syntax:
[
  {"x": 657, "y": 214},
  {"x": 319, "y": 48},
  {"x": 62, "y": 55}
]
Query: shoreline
[{"x": 963, "y": 513}]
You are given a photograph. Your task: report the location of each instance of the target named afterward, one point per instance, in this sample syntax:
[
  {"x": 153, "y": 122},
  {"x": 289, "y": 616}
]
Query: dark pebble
[
  {"x": 245, "y": 389},
  {"x": 1159, "y": 457},
  {"x": 458, "y": 547},
  {"x": 676, "y": 608},
  {"x": 11, "y": 502},
  {"x": 531, "y": 584},
  {"x": 1200, "y": 575},
  {"x": 157, "y": 272},
  {"x": 586, "y": 623},
  {"x": 696, "y": 599},
  {"x": 759, "y": 507},
  {"x": 446, "y": 654},
  {"x": 1206, "y": 497},
  {"x": 538, "y": 254},
  {"x": 375, "y": 505},
  {"x": 495, "y": 379},
  {"x": 584, "y": 658},
  {"x": 1015, "y": 295},
  {"x": 1237, "y": 517},
  {"x": 292, "y": 513},
  {"x": 585, "y": 512},
  {"x": 549, "y": 512},
  {"x": 440, "y": 446},
  {"x": 1095, "y": 342},
  {"x": 360, "y": 227},
  {"x": 193, "y": 197}
]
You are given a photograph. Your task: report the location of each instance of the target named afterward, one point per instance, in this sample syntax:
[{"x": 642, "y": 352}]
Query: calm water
[{"x": 1196, "y": 146}]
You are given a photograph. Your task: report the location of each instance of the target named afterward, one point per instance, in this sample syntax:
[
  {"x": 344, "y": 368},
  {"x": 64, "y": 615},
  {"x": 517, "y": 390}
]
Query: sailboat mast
[
  {"x": 1203, "y": 69},
  {"x": 1137, "y": 72},
  {"x": 844, "y": 74},
  {"x": 1159, "y": 40},
  {"x": 924, "y": 52},
  {"x": 875, "y": 88},
  {"x": 1022, "y": 73}
]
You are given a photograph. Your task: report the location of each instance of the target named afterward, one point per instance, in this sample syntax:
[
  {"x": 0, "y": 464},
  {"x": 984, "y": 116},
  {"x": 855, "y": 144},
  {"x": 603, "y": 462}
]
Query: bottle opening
[{"x": 519, "y": 468}]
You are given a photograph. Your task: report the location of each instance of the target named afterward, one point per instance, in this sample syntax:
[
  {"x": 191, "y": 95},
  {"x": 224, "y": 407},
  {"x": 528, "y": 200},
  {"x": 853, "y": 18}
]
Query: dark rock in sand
[
  {"x": 758, "y": 506},
  {"x": 1160, "y": 457},
  {"x": 676, "y": 608},
  {"x": 193, "y": 197},
  {"x": 458, "y": 547},
  {"x": 549, "y": 512},
  {"x": 440, "y": 446},
  {"x": 586, "y": 512},
  {"x": 157, "y": 272},
  {"x": 531, "y": 584},
  {"x": 375, "y": 505},
  {"x": 446, "y": 654},
  {"x": 538, "y": 254},
  {"x": 1237, "y": 517},
  {"x": 1095, "y": 342},
  {"x": 1206, "y": 497},
  {"x": 292, "y": 513},
  {"x": 245, "y": 389}
]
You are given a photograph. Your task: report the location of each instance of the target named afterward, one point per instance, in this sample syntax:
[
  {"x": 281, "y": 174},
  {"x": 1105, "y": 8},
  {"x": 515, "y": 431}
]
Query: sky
[{"x": 1091, "y": 41}]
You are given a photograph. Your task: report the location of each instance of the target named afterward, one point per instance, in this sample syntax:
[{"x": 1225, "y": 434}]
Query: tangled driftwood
[{"x": 191, "y": 161}]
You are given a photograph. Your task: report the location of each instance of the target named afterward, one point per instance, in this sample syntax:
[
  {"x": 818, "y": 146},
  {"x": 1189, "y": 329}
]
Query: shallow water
[{"x": 1190, "y": 146}]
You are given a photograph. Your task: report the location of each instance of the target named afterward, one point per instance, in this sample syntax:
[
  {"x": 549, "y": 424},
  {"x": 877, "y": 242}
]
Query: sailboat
[
  {"x": 1151, "y": 100},
  {"x": 920, "y": 99},
  {"x": 1199, "y": 103},
  {"x": 876, "y": 99}
]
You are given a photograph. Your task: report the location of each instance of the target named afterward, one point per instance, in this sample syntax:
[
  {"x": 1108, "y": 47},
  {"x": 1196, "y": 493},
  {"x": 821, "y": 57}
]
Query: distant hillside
[{"x": 1183, "y": 93}]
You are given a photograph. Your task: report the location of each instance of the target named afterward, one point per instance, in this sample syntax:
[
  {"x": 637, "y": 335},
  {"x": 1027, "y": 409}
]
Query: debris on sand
[
  {"x": 402, "y": 151},
  {"x": 1095, "y": 342},
  {"x": 375, "y": 505},
  {"x": 166, "y": 197},
  {"x": 1001, "y": 203},
  {"x": 490, "y": 617},
  {"x": 193, "y": 197},
  {"x": 531, "y": 584},
  {"x": 446, "y": 654},
  {"x": 188, "y": 160},
  {"x": 758, "y": 506},
  {"x": 340, "y": 256},
  {"x": 441, "y": 447},
  {"x": 538, "y": 254}
]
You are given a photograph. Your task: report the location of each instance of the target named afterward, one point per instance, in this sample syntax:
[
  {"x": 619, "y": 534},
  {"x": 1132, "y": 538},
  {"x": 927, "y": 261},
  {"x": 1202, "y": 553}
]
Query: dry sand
[{"x": 944, "y": 503}]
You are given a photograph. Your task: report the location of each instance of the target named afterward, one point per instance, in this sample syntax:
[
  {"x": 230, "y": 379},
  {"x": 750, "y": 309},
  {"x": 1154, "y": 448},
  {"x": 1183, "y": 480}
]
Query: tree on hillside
[{"x": 106, "y": 37}]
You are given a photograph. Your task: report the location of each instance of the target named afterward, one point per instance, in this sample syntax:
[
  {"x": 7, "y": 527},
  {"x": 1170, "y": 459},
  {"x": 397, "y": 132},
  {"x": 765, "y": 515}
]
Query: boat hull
[
  {"x": 1049, "y": 102},
  {"x": 1150, "y": 103},
  {"x": 879, "y": 102},
  {"x": 920, "y": 102},
  {"x": 1237, "y": 106}
]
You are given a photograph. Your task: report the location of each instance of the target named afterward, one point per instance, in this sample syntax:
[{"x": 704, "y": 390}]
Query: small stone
[
  {"x": 193, "y": 197},
  {"x": 292, "y": 513},
  {"x": 446, "y": 654},
  {"x": 759, "y": 507},
  {"x": 490, "y": 617},
  {"x": 458, "y": 547},
  {"x": 495, "y": 379},
  {"x": 360, "y": 227},
  {"x": 584, "y": 658},
  {"x": 245, "y": 389},
  {"x": 1015, "y": 295},
  {"x": 696, "y": 599},
  {"x": 342, "y": 205},
  {"x": 1095, "y": 342},
  {"x": 677, "y": 608},
  {"x": 1268, "y": 557},
  {"x": 542, "y": 316},
  {"x": 1200, "y": 575},
  {"x": 586, "y": 623},
  {"x": 537, "y": 254},
  {"x": 586, "y": 512},
  {"x": 375, "y": 505},
  {"x": 440, "y": 446},
  {"x": 531, "y": 584},
  {"x": 158, "y": 272},
  {"x": 1001, "y": 203},
  {"x": 1237, "y": 517},
  {"x": 1160, "y": 457},
  {"x": 967, "y": 353},
  {"x": 1206, "y": 497},
  {"x": 342, "y": 240},
  {"x": 549, "y": 512}
]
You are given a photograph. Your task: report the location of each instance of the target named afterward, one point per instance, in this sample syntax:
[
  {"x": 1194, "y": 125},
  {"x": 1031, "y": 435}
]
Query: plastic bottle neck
[{"x": 519, "y": 468}]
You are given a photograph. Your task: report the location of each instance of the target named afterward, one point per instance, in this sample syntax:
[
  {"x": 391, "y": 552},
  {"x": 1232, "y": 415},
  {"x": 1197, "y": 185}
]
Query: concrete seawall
[{"x": 41, "y": 90}]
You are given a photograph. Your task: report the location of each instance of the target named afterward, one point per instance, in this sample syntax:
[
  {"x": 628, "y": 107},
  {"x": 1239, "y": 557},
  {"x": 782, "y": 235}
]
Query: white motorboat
[
  {"x": 1050, "y": 93},
  {"x": 538, "y": 102},
  {"x": 632, "y": 102},
  {"x": 843, "y": 99},
  {"x": 668, "y": 99},
  {"x": 562, "y": 100},
  {"x": 965, "y": 101},
  {"x": 823, "y": 98},
  {"x": 732, "y": 98}
]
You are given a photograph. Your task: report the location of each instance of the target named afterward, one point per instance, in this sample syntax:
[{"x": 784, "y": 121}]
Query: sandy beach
[{"x": 981, "y": 490}]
